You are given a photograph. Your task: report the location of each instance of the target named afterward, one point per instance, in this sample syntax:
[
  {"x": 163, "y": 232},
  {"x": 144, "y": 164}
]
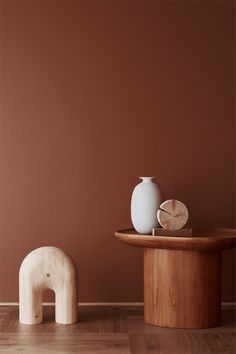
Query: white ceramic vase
[{"x": 145, "y": 201}]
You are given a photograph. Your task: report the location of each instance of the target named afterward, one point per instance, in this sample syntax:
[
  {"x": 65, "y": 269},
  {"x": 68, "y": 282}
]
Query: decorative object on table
[
  {"x": 182, "y": 276},
  {"x": 145, "y": 201},
  {"x": 159, "y": 231},
  {"x": 172, "y": 215},
  {"x": 48, "y": 268}
]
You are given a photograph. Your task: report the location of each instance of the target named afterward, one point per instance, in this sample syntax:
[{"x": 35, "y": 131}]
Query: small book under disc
[{"x": 159, "y": 231}]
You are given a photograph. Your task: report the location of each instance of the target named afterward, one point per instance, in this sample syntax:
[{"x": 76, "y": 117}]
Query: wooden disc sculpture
[
  {"x": 48, "y": 268},
  {"x": 172, "y": 215}
]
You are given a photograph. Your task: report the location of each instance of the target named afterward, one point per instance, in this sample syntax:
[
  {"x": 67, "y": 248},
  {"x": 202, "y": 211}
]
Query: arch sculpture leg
[{"x": 48, "y": 268}]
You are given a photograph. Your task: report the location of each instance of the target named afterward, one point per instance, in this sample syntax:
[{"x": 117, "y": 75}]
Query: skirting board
[
  {"x": 83, "y": 303},
  {"x": 229, "y": 305}
]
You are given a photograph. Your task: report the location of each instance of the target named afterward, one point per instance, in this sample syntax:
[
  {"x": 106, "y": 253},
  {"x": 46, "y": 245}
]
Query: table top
[{"x": 201, "y": 240}]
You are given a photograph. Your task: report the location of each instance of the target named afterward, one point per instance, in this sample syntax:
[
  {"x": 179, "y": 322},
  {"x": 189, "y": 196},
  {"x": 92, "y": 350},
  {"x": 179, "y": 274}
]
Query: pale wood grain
[
  {"x": 172, "y": 215},
  {"x": 48, "y": 268}
]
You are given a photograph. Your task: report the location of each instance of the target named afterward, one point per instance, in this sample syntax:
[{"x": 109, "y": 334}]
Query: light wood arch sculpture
[{"x": 48, "y": 268}]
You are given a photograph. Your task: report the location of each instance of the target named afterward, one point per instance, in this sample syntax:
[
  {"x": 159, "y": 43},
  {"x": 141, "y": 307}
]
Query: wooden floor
[{"x": 111, "y": 330}]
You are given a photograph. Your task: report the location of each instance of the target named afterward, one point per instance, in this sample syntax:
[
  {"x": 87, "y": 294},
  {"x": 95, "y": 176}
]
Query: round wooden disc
[{"x": 172, "y": 215}]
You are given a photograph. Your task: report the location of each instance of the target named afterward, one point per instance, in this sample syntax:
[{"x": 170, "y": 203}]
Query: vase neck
[{"x": 147, "y": 179}]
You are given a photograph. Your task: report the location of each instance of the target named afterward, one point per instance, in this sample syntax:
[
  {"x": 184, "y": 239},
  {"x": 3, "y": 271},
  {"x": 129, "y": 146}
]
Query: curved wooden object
[
  {"x": 48, "y": 268},
  {"x": 182, "y": 276},
  {"x": 202, "y": 240}
]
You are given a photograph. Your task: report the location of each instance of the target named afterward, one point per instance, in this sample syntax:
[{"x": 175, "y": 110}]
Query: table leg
[{"x": 182, "y": 288}]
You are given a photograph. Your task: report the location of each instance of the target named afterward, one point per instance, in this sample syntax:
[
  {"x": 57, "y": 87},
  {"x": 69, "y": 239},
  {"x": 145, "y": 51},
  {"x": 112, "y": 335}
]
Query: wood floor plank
[
  {"x": 111, "y": 330},
  {"x": 92, "y": 319},
  {"x": 183, "y": 343},
  {"x": 135, "y": 324},
  {"x": 64, "y": 343}
]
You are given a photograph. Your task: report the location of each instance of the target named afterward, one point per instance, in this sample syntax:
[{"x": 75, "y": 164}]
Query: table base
[{"x": 182, "y": 288}]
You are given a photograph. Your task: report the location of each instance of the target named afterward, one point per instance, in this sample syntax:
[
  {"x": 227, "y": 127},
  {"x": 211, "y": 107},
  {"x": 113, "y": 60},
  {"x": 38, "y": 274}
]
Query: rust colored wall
[{"x": 94, "y": 95}]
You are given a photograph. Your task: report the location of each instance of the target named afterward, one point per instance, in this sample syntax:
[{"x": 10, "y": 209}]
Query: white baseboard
[
  {"x": 82, "y": 303},
  {"x": 230, "y": 305}
]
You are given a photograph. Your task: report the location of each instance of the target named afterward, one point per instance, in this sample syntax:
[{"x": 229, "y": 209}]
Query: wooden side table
[{"x": 182, "y": 276}]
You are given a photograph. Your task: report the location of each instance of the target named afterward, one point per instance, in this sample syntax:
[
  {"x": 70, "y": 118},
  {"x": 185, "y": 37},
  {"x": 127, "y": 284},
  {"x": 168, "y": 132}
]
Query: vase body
[{"x": 145, "y": 201}]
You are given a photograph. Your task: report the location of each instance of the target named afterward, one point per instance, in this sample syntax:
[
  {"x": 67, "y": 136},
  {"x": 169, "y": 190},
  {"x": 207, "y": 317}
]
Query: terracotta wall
[{"x": 95, "y": 94}]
